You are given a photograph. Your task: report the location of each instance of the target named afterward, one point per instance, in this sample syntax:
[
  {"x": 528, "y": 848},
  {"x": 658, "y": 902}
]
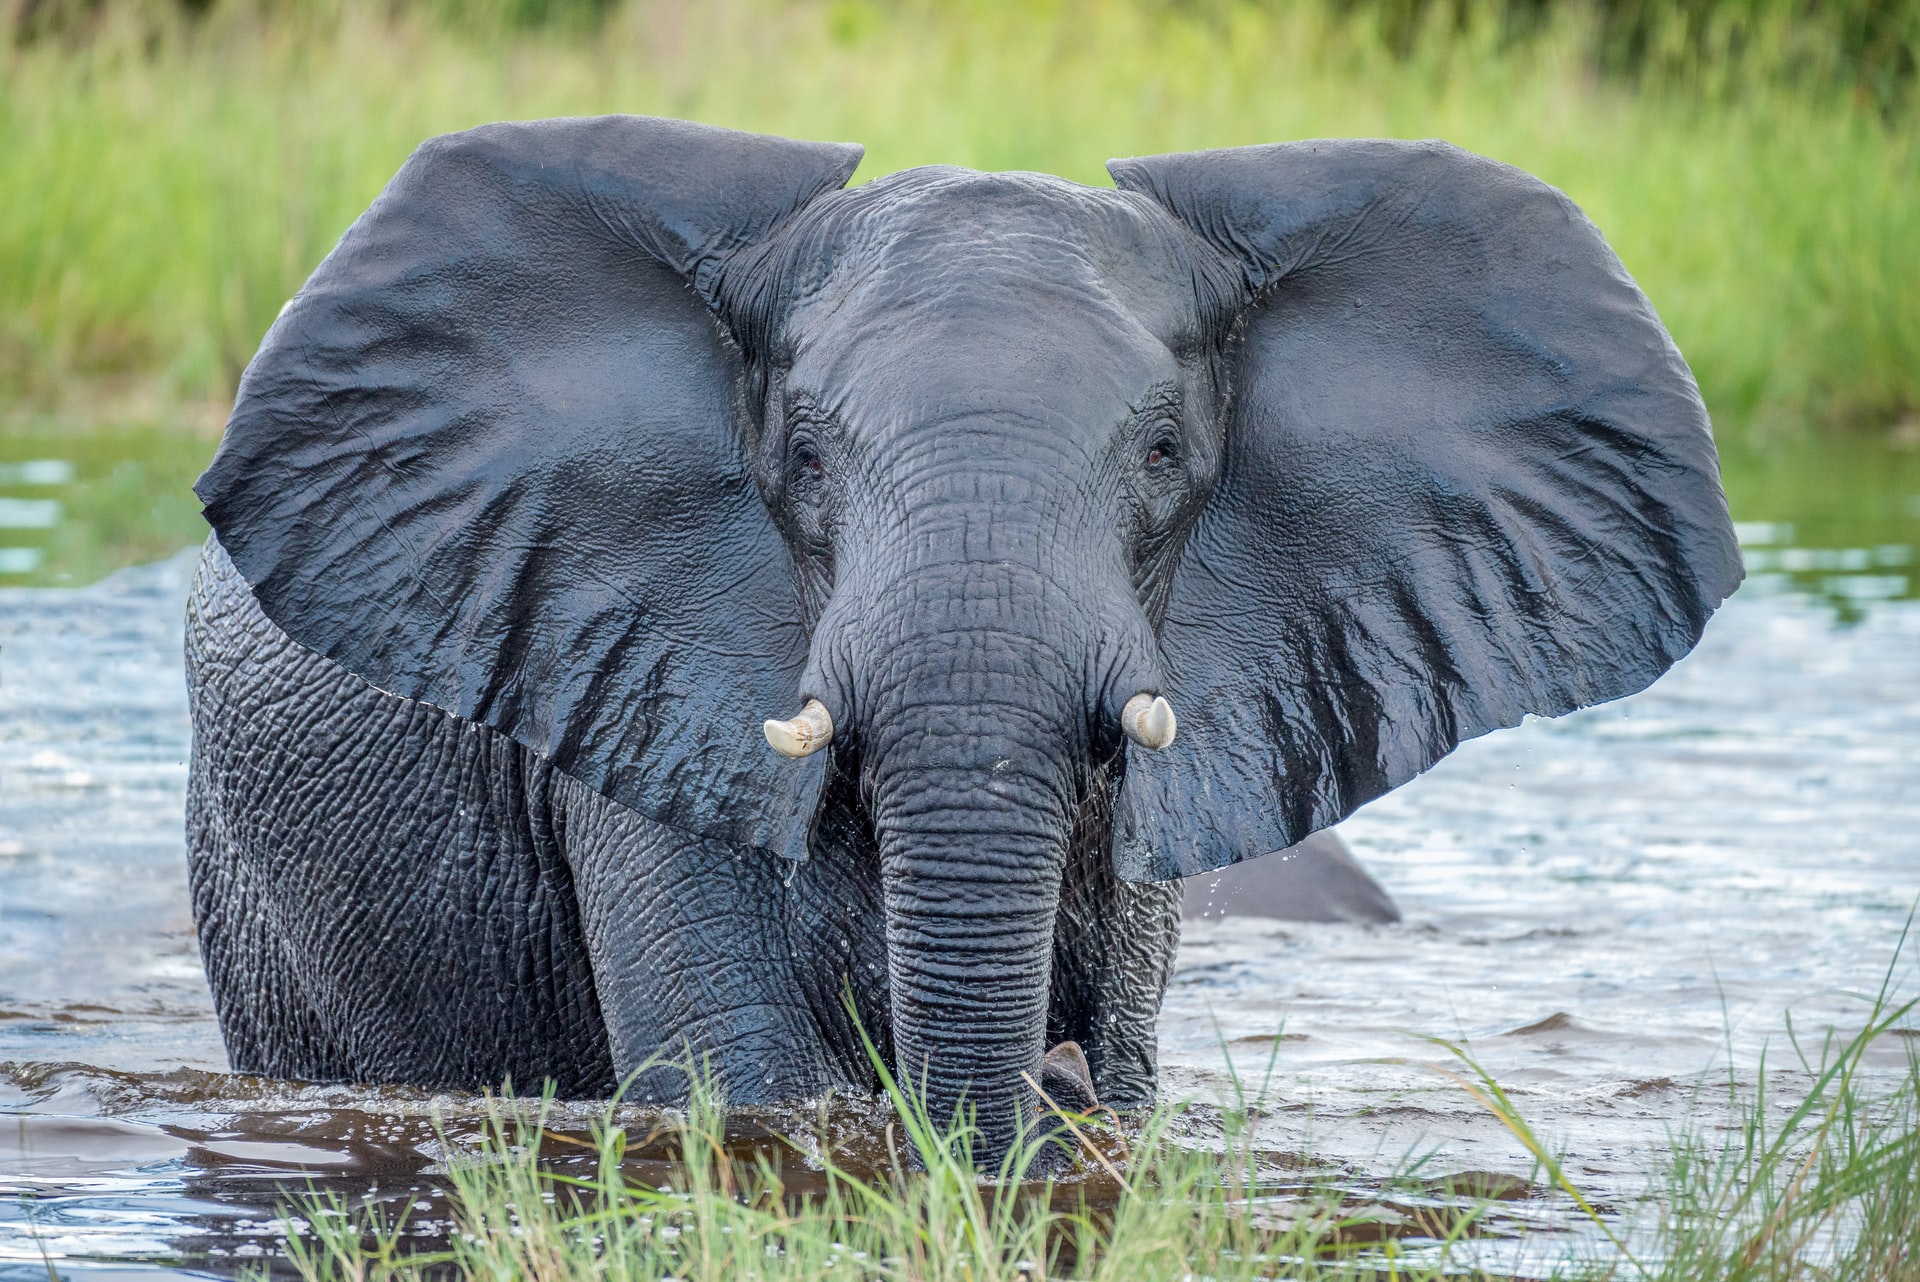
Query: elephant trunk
[
  {"x": 973, "y": 829},
  {"x": 974, "y": 711}
]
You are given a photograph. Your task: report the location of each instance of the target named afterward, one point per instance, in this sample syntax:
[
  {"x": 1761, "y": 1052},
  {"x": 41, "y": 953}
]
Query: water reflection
[
  {"x": 77, "y": 504},
  {"x": 29, "y": 513},
  {"x": 1845, "y": 576}
]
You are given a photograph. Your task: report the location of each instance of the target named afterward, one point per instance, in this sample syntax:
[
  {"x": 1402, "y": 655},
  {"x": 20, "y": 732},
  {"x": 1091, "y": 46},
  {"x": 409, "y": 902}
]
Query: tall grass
[
  {"x": 928, "y": 1214},
  {"x": 169, "y": 182},
  {"x": 1826, "y": 1187}
]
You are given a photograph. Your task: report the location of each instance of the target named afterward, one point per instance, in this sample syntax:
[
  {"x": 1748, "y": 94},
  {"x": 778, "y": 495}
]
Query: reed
[
  {"x": 1827, "y": 1186},
  {"x": 170, "y": 180}
]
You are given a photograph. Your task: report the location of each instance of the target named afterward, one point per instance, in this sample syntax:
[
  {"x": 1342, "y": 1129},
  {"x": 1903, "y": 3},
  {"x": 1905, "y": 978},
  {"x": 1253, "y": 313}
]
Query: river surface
[{"x": 1612, "y": 910}]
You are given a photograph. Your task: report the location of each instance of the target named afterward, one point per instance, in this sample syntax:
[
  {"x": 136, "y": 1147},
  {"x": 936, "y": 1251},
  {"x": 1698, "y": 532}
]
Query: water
[{"x": 1610, "y": 909}]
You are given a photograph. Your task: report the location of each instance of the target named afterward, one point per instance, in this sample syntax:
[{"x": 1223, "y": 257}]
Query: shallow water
[{"x": 1611, "y": 909}]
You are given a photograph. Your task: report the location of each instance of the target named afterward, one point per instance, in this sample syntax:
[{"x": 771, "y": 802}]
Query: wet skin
[{"x": 597, "y": 442}]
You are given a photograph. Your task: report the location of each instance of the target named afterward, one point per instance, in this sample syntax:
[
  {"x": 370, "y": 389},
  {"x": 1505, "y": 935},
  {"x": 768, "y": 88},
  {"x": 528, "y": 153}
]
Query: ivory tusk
[
  {"x": 1148, "y": 720},
  {"x": 806, "y": 734}
]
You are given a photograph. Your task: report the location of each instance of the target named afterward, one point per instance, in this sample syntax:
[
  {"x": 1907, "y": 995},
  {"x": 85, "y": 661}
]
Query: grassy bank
[
  {"x": 171, "y": 181},
  {"x": 1826, "y": 1186}
]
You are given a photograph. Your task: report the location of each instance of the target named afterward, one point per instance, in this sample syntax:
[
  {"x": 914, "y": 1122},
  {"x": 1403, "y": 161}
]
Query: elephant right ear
[
  {"x": 1467, "y": 477},
  {"x": 487, "y": 459}
]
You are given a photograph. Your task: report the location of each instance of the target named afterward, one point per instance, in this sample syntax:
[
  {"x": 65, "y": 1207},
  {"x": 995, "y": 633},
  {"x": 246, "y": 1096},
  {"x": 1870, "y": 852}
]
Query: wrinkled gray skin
[
  {"x": 385, "y": 892},
  {"x": 985, "y": 414},
  {"x": 957, "y": 481}
]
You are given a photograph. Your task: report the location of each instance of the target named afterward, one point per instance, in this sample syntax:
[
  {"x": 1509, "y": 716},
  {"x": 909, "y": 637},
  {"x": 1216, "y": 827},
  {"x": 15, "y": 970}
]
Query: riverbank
[{"x": 1827, "y": 1186}]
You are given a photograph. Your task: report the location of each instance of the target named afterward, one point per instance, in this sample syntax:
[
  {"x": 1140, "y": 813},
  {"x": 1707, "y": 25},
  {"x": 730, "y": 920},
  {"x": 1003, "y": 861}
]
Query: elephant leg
[
  {"x": 270, "y": 1020},
  {"x": 377, "y": 894},
  {"x": 1113, "y": 953},
  {"x": 688, "y": 943}
]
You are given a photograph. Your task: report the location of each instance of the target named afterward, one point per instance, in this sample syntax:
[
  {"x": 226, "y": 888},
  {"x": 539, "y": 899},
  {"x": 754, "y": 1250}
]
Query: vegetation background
[
  {"x": 174, "y": 170},
  {"x": 171, "y": 170}
]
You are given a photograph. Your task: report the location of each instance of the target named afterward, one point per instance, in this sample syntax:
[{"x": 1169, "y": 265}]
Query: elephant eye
[
  {"x": 807, "y": 463},
  {"x": 1162, "y": 450}
]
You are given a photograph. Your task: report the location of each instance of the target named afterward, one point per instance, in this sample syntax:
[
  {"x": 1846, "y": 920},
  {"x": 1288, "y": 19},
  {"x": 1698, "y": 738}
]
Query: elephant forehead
[
  {"x": 958, "y": 242},
  {"x": 1020, "y": 350},
  {"x": 949, "y": 294}
]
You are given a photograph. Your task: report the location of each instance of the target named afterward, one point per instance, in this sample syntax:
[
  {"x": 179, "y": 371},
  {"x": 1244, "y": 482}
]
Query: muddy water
[{"x": 1610, "y": 909}]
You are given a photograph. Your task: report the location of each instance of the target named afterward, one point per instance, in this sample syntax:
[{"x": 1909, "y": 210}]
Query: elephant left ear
[
  {"x": 491, "y": 459},
  {"x": 1468, "y": 477}
]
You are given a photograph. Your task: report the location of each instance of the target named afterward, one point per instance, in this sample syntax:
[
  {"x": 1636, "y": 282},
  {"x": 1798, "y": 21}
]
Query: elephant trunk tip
[
  {"x": 803, "y": 736},
  {"x": 1149, "y": 721}
]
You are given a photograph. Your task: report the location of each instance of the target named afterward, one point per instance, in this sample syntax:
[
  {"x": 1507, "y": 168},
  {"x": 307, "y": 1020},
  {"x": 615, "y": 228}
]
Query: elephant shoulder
[
  {"x": 223, "y": 619},
  {"x": 280, "y": 729}
]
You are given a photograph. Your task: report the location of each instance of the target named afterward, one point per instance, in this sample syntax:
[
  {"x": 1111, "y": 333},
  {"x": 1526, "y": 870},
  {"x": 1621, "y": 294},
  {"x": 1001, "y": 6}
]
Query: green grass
[
  {"x": 125, "y": 497},
  {"x": 1826, "y": 1186},
  {"x": 170, "y": 182}
]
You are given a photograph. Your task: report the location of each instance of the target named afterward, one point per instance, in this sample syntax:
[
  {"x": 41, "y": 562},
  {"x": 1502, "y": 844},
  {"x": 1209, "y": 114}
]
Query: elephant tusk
[
  {"x": 807, "y": 733},
  {"x": 1148, "y": 720}
]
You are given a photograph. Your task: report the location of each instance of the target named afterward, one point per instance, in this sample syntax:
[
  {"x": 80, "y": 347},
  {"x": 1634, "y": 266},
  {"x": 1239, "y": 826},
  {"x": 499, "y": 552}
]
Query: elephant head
[{"x": 1194, "y": 513}]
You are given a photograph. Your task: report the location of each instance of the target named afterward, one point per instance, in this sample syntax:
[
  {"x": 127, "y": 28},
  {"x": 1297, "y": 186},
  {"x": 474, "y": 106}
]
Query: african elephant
[{"x": 1066, "y": 541}]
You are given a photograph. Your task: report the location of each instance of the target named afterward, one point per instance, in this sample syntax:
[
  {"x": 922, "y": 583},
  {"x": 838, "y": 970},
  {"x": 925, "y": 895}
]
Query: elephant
[
  {"x": 1316, "y": 880},
  {"x": 663, "y": 601}
]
